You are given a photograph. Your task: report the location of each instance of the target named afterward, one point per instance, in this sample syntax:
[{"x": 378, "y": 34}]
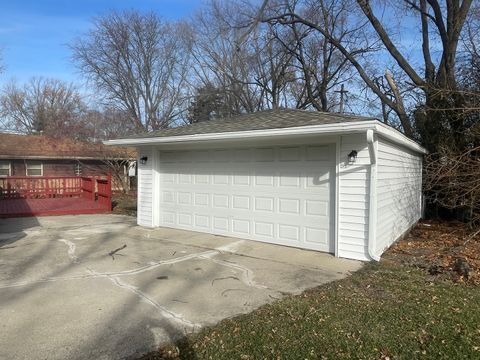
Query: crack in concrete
[
  {"x": 167, "y": 314},
  {"x": 247, "y": 274},
  {"x": 246, "y": 277},
  {"x": 154, "y": 264},
  {"x": 71, "y": 250}
]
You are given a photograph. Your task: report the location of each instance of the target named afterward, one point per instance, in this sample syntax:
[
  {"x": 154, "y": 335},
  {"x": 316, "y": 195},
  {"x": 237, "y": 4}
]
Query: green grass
[{"x": 383, "y": 311}]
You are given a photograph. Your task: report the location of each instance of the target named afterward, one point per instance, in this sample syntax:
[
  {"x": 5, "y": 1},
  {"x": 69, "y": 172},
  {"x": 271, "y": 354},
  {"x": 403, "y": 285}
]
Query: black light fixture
[
  {"x": 352, "y": 156},
  {"x": 143, "y": 160}
]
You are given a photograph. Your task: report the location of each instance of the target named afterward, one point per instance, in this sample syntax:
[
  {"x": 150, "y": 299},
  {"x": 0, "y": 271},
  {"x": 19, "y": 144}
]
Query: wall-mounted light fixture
[
  {"x": 143, "y": 160},
  {"x": 352, "y": 156}
]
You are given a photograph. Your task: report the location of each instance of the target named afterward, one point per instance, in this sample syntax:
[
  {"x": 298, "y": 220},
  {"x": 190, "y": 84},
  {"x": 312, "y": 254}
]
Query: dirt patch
[
  {"x": 446, "y": 250},
  {"x": 124, "y": 203}
]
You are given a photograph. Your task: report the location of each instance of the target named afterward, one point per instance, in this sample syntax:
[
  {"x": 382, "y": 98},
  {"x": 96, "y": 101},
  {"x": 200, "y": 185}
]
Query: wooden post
[
  {"x": 28, "y": 189},
  {"x": 109, "y": 191},
  {"x": 94, "y": 187}
]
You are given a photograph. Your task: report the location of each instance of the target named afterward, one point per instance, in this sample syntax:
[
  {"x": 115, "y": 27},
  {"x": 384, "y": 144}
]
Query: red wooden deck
[
  {"x": 47, "y": 207},
  {"x": 44, "y": 196}
]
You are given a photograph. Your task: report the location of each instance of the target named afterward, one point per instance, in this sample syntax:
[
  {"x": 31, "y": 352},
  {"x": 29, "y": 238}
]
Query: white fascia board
[
  {"x": 397, "y": 137},
  {"x": 300, "y": 130},
  {"x": 330, "y": 129}
]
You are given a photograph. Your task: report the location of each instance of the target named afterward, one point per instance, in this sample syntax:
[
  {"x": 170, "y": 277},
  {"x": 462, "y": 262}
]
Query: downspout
[{"x": 372, "y": 206}]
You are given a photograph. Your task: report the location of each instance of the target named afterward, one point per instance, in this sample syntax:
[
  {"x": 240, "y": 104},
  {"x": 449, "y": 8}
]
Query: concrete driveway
[{"x": 62, "y": 296}]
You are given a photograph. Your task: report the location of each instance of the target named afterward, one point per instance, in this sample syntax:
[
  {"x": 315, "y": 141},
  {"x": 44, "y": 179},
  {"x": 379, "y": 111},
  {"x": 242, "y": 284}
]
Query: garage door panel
[
  {"x": 201, "y": 179},
  {"x": 264, "y": 155},
  {"x": 220, "y": 224},
  {"x": 289, "y": 206},
  {"x": 264, "y": 203},
  {"x": 264, "y": 229},
  {"x": 241, "y": 226},
  {"x": 316, "y": 236},
  {"x": 274, "y": 194},
  {"x": 316, "y": 207},
  {"x": 289, "y": 179},
  {"x": 202, "y": 221},
  {"x": 317, "y": 153},
  {"x": 202, "y": 199},
  {"x": 184, "y": 198},
  {"x": 290, "y": 153},
  {"x": 241, "y": 179},
  {"x": 221, "y": 155},
  {"x": 184, "y": 218},
  {"x": 240, "y": 202},
  {"x": 221, "y": 179},
  {"x": 264, "y": 180}
]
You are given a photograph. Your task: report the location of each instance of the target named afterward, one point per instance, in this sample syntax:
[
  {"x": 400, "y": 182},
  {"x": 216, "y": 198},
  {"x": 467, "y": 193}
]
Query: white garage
[{"x": 345, "y": 185}]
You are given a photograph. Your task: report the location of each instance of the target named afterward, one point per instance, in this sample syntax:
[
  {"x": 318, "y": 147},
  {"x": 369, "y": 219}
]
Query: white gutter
[
  {"x": 338, "y": 128},
  {"x": 299, "y": 130},
  {"x": 372, "y": 206}
]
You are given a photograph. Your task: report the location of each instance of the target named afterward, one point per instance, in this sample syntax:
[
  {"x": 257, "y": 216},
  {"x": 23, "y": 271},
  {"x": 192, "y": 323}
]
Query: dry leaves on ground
[{"x": 445, "y": 249}]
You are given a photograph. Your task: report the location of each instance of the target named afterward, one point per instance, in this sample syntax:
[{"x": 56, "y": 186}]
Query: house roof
[
  {"x": 15, "y": 146},
  {"x": 266, "y": 124},
  {"x": 261, "y": 120}
]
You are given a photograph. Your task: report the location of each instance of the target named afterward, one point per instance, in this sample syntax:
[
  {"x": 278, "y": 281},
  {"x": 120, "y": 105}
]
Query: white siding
[
  {"x": 399, "y": 192},
  {"x": 353, "y": 198},
  {"x": 145, "y": 188}
]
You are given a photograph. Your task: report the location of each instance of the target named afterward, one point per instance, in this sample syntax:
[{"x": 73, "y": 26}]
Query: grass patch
[{"x": 384, "y": 311}]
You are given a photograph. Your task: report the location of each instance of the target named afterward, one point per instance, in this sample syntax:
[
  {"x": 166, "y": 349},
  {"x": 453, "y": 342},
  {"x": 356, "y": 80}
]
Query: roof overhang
[{"x": 324, "y": 129}]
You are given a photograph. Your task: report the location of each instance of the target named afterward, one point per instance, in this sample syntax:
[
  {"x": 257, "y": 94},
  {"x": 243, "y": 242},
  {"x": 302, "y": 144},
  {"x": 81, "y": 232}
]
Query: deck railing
[{"x": 46, "y": 187}]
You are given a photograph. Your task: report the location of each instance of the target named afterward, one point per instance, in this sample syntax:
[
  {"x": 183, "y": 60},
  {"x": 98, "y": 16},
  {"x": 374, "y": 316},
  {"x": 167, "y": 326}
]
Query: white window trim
[
  {"x": 9, "y": 168},
  {"x": 26, "y": 169}
]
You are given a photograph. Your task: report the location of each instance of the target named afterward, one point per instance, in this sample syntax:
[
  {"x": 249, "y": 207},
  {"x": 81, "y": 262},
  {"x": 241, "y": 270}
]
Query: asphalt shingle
[{"x": 262, "y": 120}]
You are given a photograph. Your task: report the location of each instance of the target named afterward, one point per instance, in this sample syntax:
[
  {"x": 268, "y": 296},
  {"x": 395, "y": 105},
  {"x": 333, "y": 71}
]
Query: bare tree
[
  {"x": 217, "y": 61},
  {"x": 140, "y": 64},
  {"x": 321, "y": 65},
  {"x": 255, "y": 74},
  {"x": 452, "y": 181},
  {"x": 106, "y": 123},
  {"x": 445, "y": 18},
  {"x": 118, "y": 165},
  {"x": 43, "y": 105},
  {"x": 469, "y": 69}
]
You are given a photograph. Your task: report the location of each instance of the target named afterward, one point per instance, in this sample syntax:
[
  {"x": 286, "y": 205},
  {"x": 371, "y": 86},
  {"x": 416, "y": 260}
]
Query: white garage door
[{"x": 281, "y": 195}]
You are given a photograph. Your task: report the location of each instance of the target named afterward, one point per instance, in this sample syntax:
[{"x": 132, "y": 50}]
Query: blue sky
[{"x": 34, "y": 33}]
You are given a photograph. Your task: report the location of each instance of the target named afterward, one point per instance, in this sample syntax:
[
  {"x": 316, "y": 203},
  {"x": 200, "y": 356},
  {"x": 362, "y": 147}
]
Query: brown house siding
[
  {"x": 62, "y": 167},
  {"x": 67, "y": 168}
]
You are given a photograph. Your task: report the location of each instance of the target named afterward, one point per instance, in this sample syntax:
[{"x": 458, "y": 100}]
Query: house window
[
  {"x": 5, "y": 168},
  {"x": 78, "y": 169},
  {"x": 34, "y": 168}
]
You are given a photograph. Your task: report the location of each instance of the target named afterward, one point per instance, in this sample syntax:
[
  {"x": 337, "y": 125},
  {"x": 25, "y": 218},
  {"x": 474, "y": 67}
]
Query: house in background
[
  {"x": 347, "y": 185},
  {"x": 39, "y": 155}
]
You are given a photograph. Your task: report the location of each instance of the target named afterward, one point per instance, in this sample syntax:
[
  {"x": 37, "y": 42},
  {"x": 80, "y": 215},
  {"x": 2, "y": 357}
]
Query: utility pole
[{"x": 342, "y": 92}]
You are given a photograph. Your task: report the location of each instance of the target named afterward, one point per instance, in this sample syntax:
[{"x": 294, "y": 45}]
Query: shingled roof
[
  {"x": 262, "y": 120},
  {"x": 15, "y": 146}
]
